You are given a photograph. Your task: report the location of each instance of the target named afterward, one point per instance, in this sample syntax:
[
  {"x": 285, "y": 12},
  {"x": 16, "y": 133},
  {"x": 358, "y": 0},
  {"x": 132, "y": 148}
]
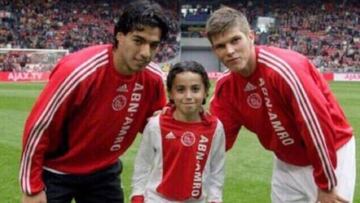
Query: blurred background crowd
[{"x": 328, "y": 32}]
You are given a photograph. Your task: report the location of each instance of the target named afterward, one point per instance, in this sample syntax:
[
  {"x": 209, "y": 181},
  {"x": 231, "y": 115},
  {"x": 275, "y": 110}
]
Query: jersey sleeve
[
  {"x": 221, "y": 107},
  {"x": 45, "y": 123},
  {"x": 144, "y": 159},
  {"x": 306, "y": 90},
  {"x": 217, "y": 166},
  {"x": 158, "y": 100}
]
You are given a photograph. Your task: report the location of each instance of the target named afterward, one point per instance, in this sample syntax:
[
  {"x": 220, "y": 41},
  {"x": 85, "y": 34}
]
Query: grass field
[{"x": 248, "y": 166}]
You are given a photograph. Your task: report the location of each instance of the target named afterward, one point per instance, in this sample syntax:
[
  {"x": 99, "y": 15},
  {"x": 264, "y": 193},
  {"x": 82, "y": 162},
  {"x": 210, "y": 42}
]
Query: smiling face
[
  {"x": 136, "y": 49},
  {"x": 188, "y": 93},
  {"x": 235, "y": 49}
]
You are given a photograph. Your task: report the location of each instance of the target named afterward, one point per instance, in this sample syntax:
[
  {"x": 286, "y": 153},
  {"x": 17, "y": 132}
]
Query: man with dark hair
[
  {"x": 280, "y": 96},
  {"x": 89, "y": 113}
]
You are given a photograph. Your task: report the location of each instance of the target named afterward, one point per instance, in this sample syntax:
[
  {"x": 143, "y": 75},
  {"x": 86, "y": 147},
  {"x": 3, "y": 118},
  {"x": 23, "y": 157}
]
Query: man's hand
[
  {"x": 329, "y": 197},
  {"x": 158, "y": 112},
  {"x": 38, "y": 198},
  {"x": 162, "y": 111}
]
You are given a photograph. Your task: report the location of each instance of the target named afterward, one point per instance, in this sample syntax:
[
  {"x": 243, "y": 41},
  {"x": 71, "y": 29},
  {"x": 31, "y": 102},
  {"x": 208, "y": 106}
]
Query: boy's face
[
  {"x": 136, "y": 49},
  {"x": 234, "y": 49},
  {"x": 188, "y": 92}
]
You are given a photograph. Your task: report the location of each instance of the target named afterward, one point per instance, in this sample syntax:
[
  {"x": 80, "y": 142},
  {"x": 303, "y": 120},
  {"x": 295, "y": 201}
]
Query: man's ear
[
  {"x": 120, "y": 37},
  {"x": 252, "y": 35}
]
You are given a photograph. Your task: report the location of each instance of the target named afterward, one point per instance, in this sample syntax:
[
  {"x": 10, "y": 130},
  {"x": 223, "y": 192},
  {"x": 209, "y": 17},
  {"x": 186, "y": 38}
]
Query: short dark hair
[
  {"x": 188, "y": 66},
  {"x": 141, "y": 13}
]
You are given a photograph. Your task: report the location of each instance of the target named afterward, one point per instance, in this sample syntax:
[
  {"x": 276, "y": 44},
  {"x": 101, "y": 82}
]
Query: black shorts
[{"x": 101, "y": 186}]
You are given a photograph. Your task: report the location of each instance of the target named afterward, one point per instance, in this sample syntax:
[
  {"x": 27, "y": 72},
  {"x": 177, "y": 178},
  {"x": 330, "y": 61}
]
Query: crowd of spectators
[
  {"x": 67, "y": 24},
  {"x": 326, "y": 32},
  {"x": 329, "y": 34}
]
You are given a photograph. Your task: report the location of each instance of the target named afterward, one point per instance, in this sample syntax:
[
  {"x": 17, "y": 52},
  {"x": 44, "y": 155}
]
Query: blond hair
[{"x": 225, "y": 18}]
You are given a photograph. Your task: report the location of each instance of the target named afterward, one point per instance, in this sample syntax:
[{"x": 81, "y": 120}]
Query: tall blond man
[{"x": 280, "y": 96}]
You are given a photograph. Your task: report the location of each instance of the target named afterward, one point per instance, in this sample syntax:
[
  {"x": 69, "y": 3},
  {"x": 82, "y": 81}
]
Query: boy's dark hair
[
  {"x": 188, "y": 66},
  {"x": 141, "y": 13}
]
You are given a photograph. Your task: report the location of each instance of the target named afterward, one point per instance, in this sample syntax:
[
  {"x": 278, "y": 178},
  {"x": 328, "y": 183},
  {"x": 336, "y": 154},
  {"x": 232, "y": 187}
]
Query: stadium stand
[
  {"x": 326, "y": 31},
  {"x": 66, "y": 24}
]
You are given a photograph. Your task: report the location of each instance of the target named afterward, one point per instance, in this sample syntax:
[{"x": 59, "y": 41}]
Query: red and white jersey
[
  {"x": 87, "y": 116},
  {"x": 290, "y": 107},
  {"x": 180, "y": 162}
]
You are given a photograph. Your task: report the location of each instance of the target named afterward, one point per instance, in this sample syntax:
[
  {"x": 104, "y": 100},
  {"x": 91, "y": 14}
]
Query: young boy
[{"x": 182, "y": 152}]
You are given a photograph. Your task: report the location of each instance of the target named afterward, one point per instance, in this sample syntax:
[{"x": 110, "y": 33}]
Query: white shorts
[{"x": 292, "y": 183}]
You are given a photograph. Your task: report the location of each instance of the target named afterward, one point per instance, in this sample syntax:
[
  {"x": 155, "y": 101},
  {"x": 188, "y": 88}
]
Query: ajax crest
[
  {"x": 119, "y": 102},
  {"x": 188, "y": 139},
  {"x": 254, "y": 100}
]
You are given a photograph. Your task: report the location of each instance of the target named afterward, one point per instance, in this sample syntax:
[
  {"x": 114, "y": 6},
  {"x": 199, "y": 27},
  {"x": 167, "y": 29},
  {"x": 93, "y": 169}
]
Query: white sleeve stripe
[
  {"x": 155, "y": 68},
  {"x": 79, "y": 74},
  {"x": 155, "y": 71},
  {"x": 54, "y": 171},
  {"x": 225, "y": 73},
  {"x": 306, "y": 109}
]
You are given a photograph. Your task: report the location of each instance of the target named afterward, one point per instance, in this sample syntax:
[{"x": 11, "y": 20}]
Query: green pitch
[{"x": 248, "y": 166}]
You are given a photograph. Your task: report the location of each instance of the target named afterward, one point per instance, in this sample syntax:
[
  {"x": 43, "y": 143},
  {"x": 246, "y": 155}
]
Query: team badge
[
  {"x": 254, "y": 100},
  {"x": 119, "y": 102},
  {"x": 188, "y": 139}
]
